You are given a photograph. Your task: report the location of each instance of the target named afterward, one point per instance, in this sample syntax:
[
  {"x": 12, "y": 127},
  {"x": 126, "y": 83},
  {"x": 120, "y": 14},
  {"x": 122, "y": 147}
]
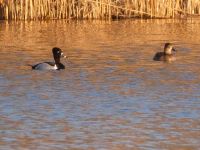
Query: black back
[{"x": 158, "y": 56}]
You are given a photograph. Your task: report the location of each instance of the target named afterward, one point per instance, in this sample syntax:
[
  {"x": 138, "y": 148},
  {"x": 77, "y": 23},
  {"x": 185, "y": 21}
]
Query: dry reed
[{"x": 96, "y": 9}]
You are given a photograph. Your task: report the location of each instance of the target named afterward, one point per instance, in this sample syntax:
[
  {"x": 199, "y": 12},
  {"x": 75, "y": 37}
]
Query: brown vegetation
[{"x": 96, "y": 9}]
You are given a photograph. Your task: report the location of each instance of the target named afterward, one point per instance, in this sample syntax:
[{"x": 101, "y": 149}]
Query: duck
[
  {"x": 56, "y": 65},
  {"x": 167, "y": 55}
]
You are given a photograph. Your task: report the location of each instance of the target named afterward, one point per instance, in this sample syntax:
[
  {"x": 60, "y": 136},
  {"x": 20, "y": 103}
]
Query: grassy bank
[{"x": 96, "y": 9}]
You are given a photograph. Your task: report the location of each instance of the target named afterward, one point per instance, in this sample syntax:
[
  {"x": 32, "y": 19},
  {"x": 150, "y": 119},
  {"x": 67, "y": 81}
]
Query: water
[{"x": 112, "y": 95}]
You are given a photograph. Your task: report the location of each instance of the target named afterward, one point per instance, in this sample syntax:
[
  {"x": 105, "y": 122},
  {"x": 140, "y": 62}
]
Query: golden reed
[{"x": 96, "y": 9}]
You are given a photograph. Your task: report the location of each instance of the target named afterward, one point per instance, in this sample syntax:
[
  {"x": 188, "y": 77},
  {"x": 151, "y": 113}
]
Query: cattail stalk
[{"x": 96, "y": 9}]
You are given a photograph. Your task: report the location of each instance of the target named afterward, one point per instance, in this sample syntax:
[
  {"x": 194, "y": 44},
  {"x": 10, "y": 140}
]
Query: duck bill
[
  {"x": 62, "y": 55},
  {"x": 173, "y": 49}
]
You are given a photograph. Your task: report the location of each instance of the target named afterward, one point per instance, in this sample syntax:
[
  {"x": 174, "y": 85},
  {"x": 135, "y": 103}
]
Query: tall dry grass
[{"x": 96, "y": 9}]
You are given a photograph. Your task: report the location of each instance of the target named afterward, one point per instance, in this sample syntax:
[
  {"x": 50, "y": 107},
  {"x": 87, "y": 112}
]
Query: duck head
[
  {"x": 168, "y": 48},
  {"x": 57, "y": 54}
]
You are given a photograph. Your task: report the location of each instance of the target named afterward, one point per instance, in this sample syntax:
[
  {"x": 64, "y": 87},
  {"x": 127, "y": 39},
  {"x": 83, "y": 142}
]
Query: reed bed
[{"x": 96, "y": 9}]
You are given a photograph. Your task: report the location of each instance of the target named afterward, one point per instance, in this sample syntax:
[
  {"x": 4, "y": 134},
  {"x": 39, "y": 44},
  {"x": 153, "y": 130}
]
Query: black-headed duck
[{"x": 57, "y": 65}]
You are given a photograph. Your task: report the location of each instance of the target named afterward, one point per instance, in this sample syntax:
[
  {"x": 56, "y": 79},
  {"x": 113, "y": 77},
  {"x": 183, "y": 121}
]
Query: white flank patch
[{"x": 55, "y": 67}]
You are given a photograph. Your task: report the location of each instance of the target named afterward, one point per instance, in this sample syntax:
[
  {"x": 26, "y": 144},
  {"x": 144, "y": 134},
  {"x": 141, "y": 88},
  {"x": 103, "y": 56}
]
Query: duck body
[
  {"x": 57, "y": 65},
  {"x": 167, "y": 55},
  {"x": 48, "y": 66},
  {"x": 161, "y": 56}
]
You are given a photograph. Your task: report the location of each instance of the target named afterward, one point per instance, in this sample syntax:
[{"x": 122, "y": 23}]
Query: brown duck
[{"x": 167, "y": 55}]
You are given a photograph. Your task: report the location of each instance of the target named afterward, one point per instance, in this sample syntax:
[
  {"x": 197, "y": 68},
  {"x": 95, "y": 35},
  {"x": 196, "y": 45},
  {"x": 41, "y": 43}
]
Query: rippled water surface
[{"x": 111, "y": 95}]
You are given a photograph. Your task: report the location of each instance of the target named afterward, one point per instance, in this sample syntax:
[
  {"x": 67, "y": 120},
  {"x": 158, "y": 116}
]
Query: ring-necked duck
[
  {"x": 166, "y": 55},
  {"x": 57, "y": 65}
]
